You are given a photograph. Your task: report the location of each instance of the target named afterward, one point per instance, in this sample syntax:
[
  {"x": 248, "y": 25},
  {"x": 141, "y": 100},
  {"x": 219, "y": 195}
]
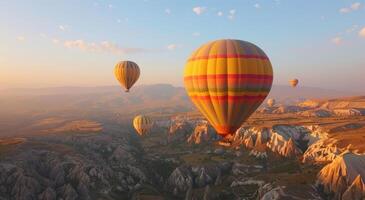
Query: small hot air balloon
[
  {"x": 142, "y": 124},
  {"x": 293, "y": 82},
  {"x": 270, "y": 102},
  {"x": 127, "y": 73},
  {"x": 227, "y": 80}
]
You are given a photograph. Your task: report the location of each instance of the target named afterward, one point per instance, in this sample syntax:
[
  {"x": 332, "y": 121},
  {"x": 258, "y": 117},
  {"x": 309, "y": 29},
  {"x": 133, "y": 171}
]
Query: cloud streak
[
  {"x": 351, "y": 8},
  {"x": 232, "y": 13},
  {"x": 104, "y": 46},
  {"x": 199, "y": 10}
]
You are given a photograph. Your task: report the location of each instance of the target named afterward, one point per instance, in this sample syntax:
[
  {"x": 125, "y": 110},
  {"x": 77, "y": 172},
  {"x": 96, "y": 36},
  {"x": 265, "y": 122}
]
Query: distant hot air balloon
[
  {"x": 127, "y": 73},
  {"x": 271, "y": 102},
  {"x": 142, "y": 124},
  {"x": 293, "y": 82},
  {"x": 227, "y": 80}
]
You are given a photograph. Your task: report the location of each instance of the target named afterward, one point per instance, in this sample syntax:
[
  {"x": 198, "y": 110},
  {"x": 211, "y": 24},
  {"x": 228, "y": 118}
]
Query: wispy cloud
[
  {"x": 362, "y": 32},
  {"x": 355, "y": 6},
  {"x": 352, "y": 7},
  {"x": 199, "y": 10},
  {"x": 232, "y": 13},
  {"x": 257, "y": 6},
  {"x": 220, "y": 13},
  {"x": 104, "y": 46},
  {"x": 337, "y": 40},
  {"x": 168, "y": 11},
  {"x": 64, "y": 27},
  {"x": 20, "y": 38},
  {"x": 171, "y": 47}
]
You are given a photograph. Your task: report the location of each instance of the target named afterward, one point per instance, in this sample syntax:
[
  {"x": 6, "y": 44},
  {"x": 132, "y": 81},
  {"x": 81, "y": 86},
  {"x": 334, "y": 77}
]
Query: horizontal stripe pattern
[
  {"x": 227, "y": 80},
  {"x": 229, "y": 76},
  {"x": 231, "y": 83},
  {"x": 227, "y": 56},
  {"x": 229, "y": 97}
]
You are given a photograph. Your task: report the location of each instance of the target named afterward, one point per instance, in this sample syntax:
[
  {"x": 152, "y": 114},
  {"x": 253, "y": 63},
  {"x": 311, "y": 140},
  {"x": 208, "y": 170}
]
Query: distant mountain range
[
  {"x": 100, "y": 102},
  {"x": 21, "y": 107}
]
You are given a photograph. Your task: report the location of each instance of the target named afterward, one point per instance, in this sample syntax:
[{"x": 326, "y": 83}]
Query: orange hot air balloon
[
  {"x": 127, "y": 73},
  {"x": 142, "y": 124},
  {"x": 293, "y": 82},
  {"x": 227, "y": 80},
  {"x": 271, "y": 102}
]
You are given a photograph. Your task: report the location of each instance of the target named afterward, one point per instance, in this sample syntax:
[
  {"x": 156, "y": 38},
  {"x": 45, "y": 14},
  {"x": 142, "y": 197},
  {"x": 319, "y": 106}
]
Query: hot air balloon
[
  {"x": 142, "y": 124},
  {"x": 271, "y": 102},
  {"x": 227, "y": 80},
  {"x": 293, "y": 82},
  {"x": 127, "y": 73}
]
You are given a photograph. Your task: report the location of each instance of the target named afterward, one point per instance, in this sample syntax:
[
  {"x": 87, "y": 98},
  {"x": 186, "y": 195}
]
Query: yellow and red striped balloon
[
  {"x": 227, "y": 80},
  {"x": 127, "y": 73},
  {"x": 294, "y": 82},
  {"x": 271, "y": 102},
  {"x": 142, "y": 124}
]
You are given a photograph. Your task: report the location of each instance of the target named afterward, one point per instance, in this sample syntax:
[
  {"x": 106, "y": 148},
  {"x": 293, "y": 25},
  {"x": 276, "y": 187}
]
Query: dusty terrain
[{"x": 77, "y": 152}]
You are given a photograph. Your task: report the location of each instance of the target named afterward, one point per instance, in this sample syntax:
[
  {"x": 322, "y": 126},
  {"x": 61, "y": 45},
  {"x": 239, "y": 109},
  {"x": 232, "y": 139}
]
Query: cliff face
[
  {"x": 191, "y": 131},
  {"x": 343, "y": 178},
  {"x": 322, "y": 151},
  {"x": 179, "y": 130},
  {"x": 203, "y": 132},
  {"x": 281, "y": 139},
  {"x": 290, "y": 150},
  {"x": 250, "y": 137}
]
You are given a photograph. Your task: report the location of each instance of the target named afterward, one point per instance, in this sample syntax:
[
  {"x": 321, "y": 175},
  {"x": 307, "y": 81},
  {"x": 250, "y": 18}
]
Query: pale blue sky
[{"x": 76, "y": 43}]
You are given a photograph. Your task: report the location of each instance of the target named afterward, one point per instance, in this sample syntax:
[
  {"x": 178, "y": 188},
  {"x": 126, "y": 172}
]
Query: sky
[{"x": 47, "y": 43}]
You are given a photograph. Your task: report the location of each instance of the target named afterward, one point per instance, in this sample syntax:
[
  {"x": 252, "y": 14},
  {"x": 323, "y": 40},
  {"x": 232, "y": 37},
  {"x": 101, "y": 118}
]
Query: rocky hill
[{"x": 343, "y": 178}]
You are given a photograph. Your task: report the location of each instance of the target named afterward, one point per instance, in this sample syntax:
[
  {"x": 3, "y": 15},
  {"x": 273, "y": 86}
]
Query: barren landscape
[{"x": 305, "y": 149}]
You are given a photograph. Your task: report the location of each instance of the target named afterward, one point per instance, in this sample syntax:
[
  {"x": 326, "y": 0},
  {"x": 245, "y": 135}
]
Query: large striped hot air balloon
[
  {"x": 142, "y": 124},
  {"x": 227, "y": 80},
  {"x": 127, "y": 73},
  {"x": 294, "y": 82}
]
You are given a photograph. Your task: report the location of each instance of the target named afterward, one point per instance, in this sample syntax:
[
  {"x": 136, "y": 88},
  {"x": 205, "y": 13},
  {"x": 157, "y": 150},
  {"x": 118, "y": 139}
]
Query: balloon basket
[{"x": 226, "y": 141}]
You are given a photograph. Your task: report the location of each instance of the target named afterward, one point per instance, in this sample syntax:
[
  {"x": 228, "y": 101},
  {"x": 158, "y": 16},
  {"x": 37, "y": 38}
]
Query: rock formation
[
  {"x": 316, "y": 113},
  {"x": 290, "y": 150},
  {"x": 343, "y": 178},
  {"x": 203, "y": 132},
  {"x": 179, "y": 130}
]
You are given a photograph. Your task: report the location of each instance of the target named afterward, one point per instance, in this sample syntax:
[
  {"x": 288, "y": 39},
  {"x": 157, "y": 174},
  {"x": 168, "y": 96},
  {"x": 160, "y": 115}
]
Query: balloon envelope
[
  {"x": 127, "y": 73},
  {"x": 142, "y": 124},
  {"x": 293, "y": 82},
  {"x": 271, "y": 102},
  {"x": 227, "y": 80}
]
